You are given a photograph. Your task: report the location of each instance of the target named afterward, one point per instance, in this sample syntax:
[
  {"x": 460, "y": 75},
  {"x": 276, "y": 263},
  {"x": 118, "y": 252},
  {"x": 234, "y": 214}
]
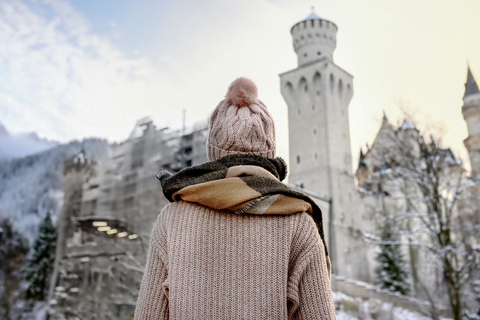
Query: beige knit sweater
[{"x": 206, "y": 264}]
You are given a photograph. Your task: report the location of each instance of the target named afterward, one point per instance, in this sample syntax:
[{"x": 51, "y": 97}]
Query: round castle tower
[
  {"x": 318, "y": 93},
  {"x": 471, "y": 114},
  {"x": 314, "y": 38}
]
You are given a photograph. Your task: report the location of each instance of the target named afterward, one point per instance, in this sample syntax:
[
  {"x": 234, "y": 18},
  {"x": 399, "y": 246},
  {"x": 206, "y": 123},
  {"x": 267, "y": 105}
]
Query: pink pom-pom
[{"x": 242, "y": 92}]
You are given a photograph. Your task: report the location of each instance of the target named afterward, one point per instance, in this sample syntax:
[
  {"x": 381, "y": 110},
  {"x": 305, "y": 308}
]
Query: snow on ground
[{"x": 350, "y": 308}]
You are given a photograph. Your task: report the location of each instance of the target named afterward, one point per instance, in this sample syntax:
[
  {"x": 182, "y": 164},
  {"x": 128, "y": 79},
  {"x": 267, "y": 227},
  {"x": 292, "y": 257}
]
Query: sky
[{"x": 88, "y": 68}]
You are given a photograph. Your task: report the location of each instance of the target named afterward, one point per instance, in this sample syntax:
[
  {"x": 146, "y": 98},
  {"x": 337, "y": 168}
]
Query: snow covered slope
[
  {"x": 351, "y": 308},
  {"x": 32, "y": 186}
]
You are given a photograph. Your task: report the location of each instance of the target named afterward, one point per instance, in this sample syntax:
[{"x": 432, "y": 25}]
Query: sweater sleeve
[
  {"x": 152, "y": 300},
  {"x": 309, "y": 291}
]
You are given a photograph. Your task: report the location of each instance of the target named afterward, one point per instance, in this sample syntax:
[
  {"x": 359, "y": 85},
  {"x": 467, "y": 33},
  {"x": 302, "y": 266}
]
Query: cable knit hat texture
[{"x": 241, "y": 124}]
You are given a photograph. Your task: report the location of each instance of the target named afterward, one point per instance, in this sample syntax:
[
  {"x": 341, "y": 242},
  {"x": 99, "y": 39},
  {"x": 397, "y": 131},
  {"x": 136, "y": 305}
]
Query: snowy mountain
[
  {"x": 32, "y": 186},
  {"x": 21, "y": 145},
  {"x": 3, "y": 130}
]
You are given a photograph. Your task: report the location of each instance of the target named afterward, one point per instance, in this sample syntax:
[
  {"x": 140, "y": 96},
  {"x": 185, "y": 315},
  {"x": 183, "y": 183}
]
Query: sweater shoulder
[
  {"x": 305, "y": 238},
  {"x": 161, "y": 223},
  {"x": 305, "y": 226}
]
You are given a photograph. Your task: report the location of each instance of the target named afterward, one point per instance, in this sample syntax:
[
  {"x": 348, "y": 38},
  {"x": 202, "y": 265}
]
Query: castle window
[
  {"x": 305, "y": 55},
  {"x": 317, "y": 82},
  {"x": 319, "y": 53},
  {"x": 318, "y": 35},
  {"x": 303, "y": 88},
  {"x": 130, "y": 188},
  {"x": 128, "y": 202},
  {"x": 316, "y": 156},
  {"x": 289, "y": 93},
  {"x": 314, "y": 131},
  {"x": 188, "y": 150},
  {"x": 302, "y": 37},
  {"x": 313, "y": 21},
  {"x": 130, "y": 177},
  {"x": 298, "y": 159},
  {"x": 299, "y": 112},
  {"x": 313, "y": 106},
  {"x": 309, "y": 35},
  {"x": 340, "y": 88},
  {"x": 332, "y": 82}
]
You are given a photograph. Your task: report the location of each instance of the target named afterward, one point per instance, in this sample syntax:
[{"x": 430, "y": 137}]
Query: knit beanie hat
[{"x": 241, "y": 124}]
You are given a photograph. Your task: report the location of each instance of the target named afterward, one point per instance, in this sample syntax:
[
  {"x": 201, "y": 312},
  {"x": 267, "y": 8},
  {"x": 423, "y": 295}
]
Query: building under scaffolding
[{"x": 108, "y": 212}]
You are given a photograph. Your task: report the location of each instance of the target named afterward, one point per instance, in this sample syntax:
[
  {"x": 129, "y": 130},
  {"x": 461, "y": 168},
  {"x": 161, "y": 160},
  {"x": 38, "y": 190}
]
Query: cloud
[{"x": 64, "y": 81}]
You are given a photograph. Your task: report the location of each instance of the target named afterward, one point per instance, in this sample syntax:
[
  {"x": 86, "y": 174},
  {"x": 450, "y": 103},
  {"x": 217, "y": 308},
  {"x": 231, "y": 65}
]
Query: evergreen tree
[
  {"x": 392, "y": 269},
  {"x": 13, "y": 248},
  {"x": 40, "y": 265}
]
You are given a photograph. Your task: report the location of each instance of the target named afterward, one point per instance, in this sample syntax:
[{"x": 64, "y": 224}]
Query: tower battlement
[
  {"x": 314, "y": 38},
  {"x": 78, "y": 163}
]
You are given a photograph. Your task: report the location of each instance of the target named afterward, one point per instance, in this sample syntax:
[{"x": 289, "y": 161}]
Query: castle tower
[
  {"x": 471, "y": 114},
  {"x": 76, "y": 171},
  {"x": 318, "y": 93}
]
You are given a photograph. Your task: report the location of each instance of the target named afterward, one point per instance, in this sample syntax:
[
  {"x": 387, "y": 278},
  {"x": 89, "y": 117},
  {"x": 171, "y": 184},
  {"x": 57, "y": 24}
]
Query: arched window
[
  {"x": 303, "y": 85},
  {"x": 332, "y": 82},
  {"x": 289, "y": 93},
  {"x": 317, "y": 82}
]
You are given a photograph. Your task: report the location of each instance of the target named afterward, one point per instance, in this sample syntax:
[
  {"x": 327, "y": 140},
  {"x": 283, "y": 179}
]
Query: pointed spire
[
  {"x": 385, "y": 119},
  {"x": 361, "y": 158},
  {"x": 471, "y": 86},
  {"x": 312, "y": 15},
  {"x": 407, "y": 124}
]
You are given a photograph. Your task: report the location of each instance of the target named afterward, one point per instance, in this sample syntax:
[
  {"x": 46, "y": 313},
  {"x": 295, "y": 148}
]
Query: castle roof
[
  {"x": 312, "y": 16},
  {"x": 471, "y": 86},
  {"x": 407, "y": 125}
]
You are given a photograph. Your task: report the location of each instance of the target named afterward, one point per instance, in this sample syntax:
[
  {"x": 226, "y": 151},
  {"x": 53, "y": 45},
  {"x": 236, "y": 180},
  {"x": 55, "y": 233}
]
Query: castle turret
[
  {"x": 314, "y": 38},
  {"x": 471, "y": 114}
]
